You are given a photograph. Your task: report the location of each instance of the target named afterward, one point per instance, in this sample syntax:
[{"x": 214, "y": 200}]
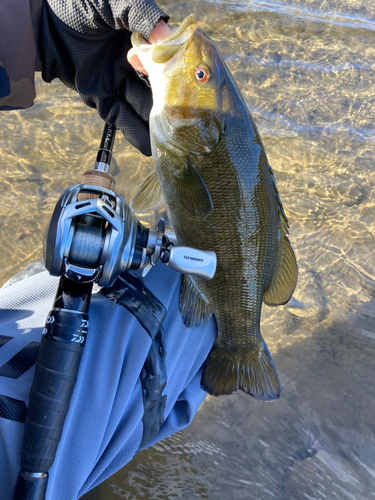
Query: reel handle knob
[{"x": 186, "y": 260}]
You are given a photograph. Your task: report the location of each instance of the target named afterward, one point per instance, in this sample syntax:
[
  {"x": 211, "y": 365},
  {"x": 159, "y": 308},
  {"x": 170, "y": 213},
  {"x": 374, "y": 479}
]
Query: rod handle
[
  {"x": 56, "y": 370},
  {"x": 30, "y": 487}
]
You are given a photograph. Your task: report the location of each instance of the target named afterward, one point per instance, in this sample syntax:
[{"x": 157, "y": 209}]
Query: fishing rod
[{"x": 93, "y": 237}]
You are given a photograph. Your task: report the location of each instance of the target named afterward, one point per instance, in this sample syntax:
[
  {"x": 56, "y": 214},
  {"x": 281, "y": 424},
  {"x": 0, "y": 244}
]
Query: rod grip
[
  {"x": 30, "y": 488},
  {"x": 56, "y": 370}
]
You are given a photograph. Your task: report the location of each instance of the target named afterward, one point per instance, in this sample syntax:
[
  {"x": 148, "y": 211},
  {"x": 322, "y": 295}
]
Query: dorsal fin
[{"x": 284, "y": 279}]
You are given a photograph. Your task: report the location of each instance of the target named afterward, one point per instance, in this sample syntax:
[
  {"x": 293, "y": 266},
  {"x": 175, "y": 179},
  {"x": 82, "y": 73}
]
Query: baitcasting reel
[{"x": 97, "y": 239}]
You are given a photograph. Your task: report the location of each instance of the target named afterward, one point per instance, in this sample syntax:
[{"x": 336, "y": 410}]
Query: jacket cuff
[
  {"x": 144, "y": 16},
  {"x": 17, "y": 55}
]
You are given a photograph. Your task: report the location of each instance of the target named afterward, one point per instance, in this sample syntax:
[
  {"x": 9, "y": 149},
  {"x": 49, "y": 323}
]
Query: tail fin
[{"x": 227, "y": 371}]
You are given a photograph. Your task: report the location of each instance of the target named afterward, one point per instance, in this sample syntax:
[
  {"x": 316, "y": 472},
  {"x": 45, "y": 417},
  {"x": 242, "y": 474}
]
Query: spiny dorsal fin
[
  {"x": 194, "y": 308},
  {"x": 283, "y": 218},
  {"x": 284, "y": 279},
  {"x": 148, "y": 195},
  {"x": 192, "y": 190}
]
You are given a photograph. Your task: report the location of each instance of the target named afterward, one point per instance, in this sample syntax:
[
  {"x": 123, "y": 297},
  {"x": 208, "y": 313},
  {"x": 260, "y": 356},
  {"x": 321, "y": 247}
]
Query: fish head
[{"x": 188, "y": 80}]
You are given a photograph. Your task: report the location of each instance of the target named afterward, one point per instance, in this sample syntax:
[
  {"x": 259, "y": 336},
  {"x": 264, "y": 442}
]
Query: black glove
[{"x": 84, "y": 43}]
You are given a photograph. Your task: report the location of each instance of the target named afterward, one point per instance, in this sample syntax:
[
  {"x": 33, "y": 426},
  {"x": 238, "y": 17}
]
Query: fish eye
[{"x": 202, "y": 74}]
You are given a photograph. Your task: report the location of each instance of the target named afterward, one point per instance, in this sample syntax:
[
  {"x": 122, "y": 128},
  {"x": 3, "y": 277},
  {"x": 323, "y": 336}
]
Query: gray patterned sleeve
[{"x": 86, "y": 16}]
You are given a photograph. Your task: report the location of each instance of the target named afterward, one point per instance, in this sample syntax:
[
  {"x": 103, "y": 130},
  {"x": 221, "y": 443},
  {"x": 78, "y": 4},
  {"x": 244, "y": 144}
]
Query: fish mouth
[
  {"x": 163, "y": 51},
  {"x": 188, "y": 21}
]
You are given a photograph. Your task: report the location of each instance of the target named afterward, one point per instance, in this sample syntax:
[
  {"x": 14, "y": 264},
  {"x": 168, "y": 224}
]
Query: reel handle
[{"x": 186, "y": 260}]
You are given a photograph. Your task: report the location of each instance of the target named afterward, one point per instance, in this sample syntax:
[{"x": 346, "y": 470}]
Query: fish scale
[{"x": 221, "y": 195}]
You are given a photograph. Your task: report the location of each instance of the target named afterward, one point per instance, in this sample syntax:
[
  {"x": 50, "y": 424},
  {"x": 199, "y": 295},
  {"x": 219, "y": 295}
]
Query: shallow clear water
[{"x": 306, "y": 70}]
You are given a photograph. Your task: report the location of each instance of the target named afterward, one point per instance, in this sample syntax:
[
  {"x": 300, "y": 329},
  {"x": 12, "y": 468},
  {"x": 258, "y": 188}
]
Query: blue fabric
[
  {"x": 4, "y": 83},
  {"x": 104, "y": 428}
]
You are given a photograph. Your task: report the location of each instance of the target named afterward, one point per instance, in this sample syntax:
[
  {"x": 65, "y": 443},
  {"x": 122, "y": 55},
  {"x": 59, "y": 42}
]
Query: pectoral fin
[
  {"x": 194, "y": 308},
  {"x": 192, "y": 190},
  {"x": 148, "y": 195}
]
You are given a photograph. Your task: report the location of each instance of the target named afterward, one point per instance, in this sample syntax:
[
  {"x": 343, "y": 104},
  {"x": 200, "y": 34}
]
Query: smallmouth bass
[{"x": 212, "y": 171}]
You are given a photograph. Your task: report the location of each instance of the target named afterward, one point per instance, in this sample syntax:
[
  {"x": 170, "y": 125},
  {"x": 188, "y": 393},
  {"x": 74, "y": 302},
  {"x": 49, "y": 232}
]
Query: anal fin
[{"x": 194, "y": 307}]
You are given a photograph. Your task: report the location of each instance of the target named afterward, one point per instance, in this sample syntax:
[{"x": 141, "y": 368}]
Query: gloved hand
[{"x": 84, "y": 43}]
